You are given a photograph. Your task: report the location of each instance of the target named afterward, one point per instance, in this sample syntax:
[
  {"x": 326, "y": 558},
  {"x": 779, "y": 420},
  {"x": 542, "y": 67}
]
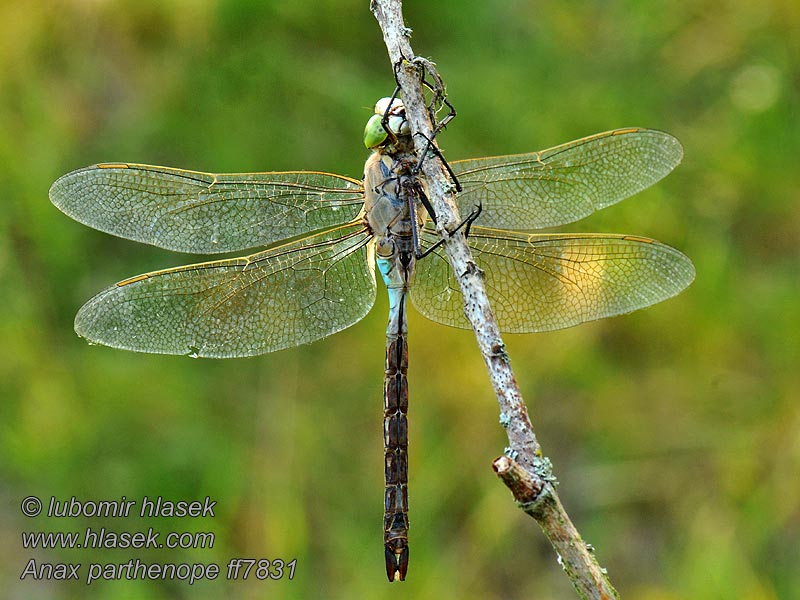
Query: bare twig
[{"x": 526, "y": 472}]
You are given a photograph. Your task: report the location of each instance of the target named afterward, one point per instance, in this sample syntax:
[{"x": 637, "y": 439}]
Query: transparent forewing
[
  {"x": 565, "y": 183},
  {"x": 203, "y": 213},
  {"x": 278, "y": 298},
  {"x": 541, "y": 282}
]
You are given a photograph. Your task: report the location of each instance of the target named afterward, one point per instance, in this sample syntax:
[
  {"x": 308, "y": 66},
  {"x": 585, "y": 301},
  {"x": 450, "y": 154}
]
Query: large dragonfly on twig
[{"x": 322, "y": 235}]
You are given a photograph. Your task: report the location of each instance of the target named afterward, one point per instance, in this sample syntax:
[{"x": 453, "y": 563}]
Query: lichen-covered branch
[{"x": 524, "y": 469}]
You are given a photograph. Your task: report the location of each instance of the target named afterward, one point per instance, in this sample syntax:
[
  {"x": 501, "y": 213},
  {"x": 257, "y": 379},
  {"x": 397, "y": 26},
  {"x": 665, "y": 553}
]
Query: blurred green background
[{"x": 675, "y": 431}]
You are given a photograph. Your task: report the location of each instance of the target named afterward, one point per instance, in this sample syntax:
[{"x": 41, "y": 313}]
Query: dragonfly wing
[
  {"x": 278, "y": 298},
  {"x": 565, "y": 183},
  {"x": 542, "y": 282},
  {"x": 203, "y": 213}
]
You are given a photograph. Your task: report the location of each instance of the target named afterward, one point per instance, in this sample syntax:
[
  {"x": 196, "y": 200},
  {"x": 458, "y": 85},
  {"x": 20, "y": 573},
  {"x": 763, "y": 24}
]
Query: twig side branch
[{"x": 529, "y": 473}]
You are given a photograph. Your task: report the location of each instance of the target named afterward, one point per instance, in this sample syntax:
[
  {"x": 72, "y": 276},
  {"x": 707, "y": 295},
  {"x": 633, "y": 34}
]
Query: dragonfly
[{"x": 320, "y": 236}]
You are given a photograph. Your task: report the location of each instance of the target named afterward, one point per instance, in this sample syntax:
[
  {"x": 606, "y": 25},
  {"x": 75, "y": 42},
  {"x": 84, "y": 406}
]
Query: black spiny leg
[
  {"x": 431, "y": 147},
  {"x": 466, "y": 222}
]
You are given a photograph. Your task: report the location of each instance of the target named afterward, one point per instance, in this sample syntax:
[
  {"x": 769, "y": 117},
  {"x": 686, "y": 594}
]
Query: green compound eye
[{"x": 374, "y": 133}]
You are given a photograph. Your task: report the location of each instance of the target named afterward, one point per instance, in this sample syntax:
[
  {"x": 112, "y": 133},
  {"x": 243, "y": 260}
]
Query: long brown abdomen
[{"x": 395, "y": 448}]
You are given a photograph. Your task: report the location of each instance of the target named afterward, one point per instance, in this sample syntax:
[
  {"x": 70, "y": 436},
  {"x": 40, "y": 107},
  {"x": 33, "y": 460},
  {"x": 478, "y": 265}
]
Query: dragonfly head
[{"x": 374, "y": 133}]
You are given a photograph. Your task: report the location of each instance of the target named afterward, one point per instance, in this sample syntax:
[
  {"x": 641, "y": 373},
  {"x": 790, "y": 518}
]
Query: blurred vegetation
[{"x": 675, "y": 431}]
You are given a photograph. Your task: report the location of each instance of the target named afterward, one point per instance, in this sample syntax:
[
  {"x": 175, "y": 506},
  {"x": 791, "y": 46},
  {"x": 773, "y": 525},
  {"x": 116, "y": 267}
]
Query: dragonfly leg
[
  {"x": 387, "y": 112},
  {"x": 433, "y": 149},
  {"x": 438, "y": 99},
  {"x": 439, "y": 95},
  {"x": 412, "y": 208},
  {"x": 427, "y": 204},
  {"x": 476, "y": 212},
  {"x": 451, "y": 114},
  {"x": 380, "y": 189},
  {"x": 466, "y": 222}
]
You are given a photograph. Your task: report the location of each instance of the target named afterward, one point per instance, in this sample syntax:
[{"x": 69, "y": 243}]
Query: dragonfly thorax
[{"x": 392, "y": 195}]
